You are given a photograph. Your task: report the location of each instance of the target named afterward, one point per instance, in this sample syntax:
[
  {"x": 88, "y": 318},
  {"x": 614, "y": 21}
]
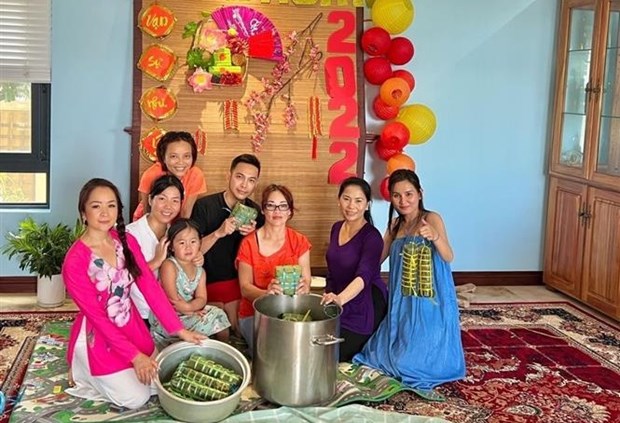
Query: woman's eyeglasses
[{"x": 273, "y": 207}]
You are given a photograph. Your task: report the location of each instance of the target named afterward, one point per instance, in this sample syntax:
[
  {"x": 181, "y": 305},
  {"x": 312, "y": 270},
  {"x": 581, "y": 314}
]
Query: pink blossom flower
[
  {"x": 290, "y": 116},
  {"x": 211, "y": 39},
  {"x": 200, "y": 80}
]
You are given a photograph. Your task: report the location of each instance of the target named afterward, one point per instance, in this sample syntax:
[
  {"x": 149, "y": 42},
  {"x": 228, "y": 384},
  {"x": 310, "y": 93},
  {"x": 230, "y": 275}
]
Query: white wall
[
  {"x": 92, "y": 56},
  {"x": 484, "y": 66}
]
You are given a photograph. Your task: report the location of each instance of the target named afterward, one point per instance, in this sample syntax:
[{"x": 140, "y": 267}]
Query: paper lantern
[
  {"x": 384, "y": 188},
  {"x": 394, "y": 91},
  {"x": 376, "y": 41},
  {"x": 394, "y": 16},
  {"x": 385, "y": 153},
  {"x": 405, "y": 75},
  {"x": 377, "y": 70},
  {"x": 420, "y": 120},
  {"x": 395, "y": 135},
  {"x": 400, "y": 51},
  {"x": 382, "y": 110},
  {"x": 400, "y": 161}
]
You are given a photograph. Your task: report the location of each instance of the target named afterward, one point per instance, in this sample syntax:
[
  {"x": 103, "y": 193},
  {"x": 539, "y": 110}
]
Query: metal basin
[{"x": 196, "y": 411}]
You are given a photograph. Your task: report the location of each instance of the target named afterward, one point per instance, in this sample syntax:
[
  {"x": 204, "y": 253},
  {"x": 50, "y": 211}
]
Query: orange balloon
[
  {"x": 400, "y": 161},
  {"x": 394, "y": 91}
]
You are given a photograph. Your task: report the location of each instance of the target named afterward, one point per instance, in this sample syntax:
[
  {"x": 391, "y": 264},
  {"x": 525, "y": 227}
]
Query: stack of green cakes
[{"x": 201, "y": 379}]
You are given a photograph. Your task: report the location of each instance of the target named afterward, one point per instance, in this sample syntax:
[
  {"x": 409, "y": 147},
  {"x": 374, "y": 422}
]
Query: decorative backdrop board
[{"x": 329, "y": 103}]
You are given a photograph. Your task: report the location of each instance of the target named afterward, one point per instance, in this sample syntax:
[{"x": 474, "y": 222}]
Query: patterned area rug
[
  {"x": 18, "y": 335},
  {"x": 526, "y": 363},
  {"x": 529, "y": 363}
]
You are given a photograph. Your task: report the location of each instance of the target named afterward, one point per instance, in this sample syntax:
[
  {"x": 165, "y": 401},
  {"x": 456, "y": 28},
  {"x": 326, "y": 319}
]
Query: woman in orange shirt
[
  {"x": 176, "y": 155},
  {"x": 274, "y": 244}
]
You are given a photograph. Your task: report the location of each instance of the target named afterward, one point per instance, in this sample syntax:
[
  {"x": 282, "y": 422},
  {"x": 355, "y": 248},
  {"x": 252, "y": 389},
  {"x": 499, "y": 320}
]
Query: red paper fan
[{"x": 263, "y": 37}]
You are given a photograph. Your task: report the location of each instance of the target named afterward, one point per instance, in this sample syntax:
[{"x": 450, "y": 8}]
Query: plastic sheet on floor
[{"x": 348, "y": 413}]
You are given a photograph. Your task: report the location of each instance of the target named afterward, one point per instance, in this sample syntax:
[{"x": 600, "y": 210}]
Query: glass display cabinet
[{"x": 582, "y": 239}]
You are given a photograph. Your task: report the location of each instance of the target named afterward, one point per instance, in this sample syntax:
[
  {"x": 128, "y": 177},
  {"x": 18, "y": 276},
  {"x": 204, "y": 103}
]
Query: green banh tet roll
[
  {"x": 296, "y": 317},
  {"x": 288, "y": 277},
  {"x": 201, "y": 379}
]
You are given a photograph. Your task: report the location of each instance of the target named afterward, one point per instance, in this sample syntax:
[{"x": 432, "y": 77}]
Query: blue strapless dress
[{"x": 419, "y": 341}]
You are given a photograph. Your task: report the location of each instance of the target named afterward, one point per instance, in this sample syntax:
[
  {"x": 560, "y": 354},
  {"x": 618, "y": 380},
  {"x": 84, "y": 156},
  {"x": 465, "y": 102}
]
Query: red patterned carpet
[
  {"x": 526, "y": 363},
  {"x": 18, "y": 335},
  {"x": 530, "y": 363}
]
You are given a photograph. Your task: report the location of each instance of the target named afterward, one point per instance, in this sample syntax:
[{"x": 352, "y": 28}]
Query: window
[{"x": 25, "y": 94}]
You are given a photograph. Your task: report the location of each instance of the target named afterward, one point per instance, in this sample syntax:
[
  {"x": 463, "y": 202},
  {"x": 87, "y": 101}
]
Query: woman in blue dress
[{"x": 419, "y": 341}]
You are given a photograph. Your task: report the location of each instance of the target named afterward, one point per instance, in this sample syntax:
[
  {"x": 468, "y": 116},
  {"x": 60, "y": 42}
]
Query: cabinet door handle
[
  {"x": 590, "y": 89},
  {"x": 587, "y": 215}
]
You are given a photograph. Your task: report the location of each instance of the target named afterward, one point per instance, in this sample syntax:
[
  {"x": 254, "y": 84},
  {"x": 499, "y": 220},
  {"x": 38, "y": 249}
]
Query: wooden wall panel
[{"x": 286, "y": 154}]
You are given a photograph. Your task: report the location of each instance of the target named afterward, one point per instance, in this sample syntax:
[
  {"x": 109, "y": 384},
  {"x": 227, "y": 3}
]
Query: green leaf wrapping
[
  {"x": 195, "y": 391},
  {"x": 210, "y": 367},
  {"x": 184, "y": 372}
]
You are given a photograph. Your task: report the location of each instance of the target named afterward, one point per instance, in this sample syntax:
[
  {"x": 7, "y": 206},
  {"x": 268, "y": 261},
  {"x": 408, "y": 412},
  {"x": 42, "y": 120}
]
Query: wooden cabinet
[
  {"x": 565, "y": 236},
  {"x": 582, "y": 241},
  {"x": 601, "y": 266}
]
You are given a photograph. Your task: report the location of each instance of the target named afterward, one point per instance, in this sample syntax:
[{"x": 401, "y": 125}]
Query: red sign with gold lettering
[
  {"x": 158, "y": 103},
  {"x": 158, "y": 62},
  {"x": 157, "y": 21},
  {"x": 148, "y": 143}
]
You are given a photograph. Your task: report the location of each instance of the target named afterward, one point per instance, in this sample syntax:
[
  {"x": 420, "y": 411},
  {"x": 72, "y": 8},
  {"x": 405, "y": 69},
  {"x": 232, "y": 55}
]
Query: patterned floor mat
[{"x": 526, "y": 363}]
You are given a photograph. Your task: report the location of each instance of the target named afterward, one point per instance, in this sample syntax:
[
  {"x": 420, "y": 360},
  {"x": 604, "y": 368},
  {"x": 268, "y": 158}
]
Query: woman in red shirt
[{"x": 274, "y": 244}]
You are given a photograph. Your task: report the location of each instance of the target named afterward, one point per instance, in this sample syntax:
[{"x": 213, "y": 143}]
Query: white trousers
[{"x": 122, "y": 388}]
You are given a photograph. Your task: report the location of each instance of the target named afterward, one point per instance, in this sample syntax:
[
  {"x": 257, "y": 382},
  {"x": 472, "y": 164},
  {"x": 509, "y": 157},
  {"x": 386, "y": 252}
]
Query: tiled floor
[{"x": 483, "y": 294}]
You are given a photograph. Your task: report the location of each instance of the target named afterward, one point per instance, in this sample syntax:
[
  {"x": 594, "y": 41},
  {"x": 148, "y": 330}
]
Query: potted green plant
[{"x": 41, "y": 249}]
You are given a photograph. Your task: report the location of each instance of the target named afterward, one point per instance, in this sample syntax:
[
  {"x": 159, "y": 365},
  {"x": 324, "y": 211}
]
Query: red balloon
[
  {"x": 384, "y": 111},
  {"x": 407, "y": 76},
  {"x": 376, "y": 41},
  {"x": 395, "y": 135},
  {"x": 384, "y": 152},
  {"x": 401, "y": 51},
  {"x": 385, "y": 192},
  {"x": 377, "y": 70}
]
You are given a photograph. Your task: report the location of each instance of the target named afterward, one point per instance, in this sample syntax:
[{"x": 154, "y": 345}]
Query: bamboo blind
[{"x": 286, "y": 154}]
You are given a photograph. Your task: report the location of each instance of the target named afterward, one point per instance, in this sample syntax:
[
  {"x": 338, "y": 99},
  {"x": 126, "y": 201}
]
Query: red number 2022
[{"x": 341, "y": 86}]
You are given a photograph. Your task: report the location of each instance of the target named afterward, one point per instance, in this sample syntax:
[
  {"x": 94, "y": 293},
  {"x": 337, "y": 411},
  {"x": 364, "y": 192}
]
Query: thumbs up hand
[{"x": 428, "y": 232}]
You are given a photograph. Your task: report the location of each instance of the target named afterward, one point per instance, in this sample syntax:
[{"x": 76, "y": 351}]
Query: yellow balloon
[
  {"x": 394, "y": 16},
  {"x": 420, "y": 120}
]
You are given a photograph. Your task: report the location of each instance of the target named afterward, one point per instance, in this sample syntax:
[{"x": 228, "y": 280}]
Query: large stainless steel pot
[{"x": 295, "y": 363}]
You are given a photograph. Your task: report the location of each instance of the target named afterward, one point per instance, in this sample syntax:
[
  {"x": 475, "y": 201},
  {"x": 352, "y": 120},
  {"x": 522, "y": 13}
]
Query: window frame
[{"x": 38, "y": 160}]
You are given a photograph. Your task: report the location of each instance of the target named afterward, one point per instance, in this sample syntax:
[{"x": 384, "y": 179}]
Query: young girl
[
  {"x": 176, "y": 155},
  {"x": 419, "y": 341},
  {"x": 186, "y": 287}
]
